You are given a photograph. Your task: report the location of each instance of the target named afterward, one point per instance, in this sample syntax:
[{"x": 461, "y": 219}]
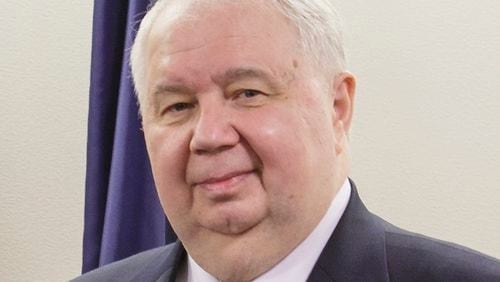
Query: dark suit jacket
[{"x": 363, "y": 247}]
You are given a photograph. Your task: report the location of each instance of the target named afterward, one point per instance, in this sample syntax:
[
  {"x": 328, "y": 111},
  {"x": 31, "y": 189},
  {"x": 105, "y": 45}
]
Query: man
[{"x": 246, "y": 108}]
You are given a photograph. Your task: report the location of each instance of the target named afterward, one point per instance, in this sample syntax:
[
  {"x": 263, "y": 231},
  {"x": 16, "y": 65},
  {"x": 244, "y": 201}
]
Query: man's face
[{"x": 239, "y": 129}]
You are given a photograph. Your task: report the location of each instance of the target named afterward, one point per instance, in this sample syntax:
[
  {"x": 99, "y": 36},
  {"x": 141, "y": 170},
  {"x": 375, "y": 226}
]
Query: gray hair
[{"x": 316, "y": 21}]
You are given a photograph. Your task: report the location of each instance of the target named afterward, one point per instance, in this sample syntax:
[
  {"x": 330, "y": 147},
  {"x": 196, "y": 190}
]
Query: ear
[{"x": 344, "y": 88}]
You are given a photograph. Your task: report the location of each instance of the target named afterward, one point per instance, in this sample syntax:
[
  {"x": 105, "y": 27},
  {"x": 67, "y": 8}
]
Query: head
[{"x": 246, "y": 108}]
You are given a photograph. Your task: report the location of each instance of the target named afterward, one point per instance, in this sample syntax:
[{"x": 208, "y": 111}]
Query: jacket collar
[
  {"x": 356, "y": 249},
  {"x": 172, "y": 262}
]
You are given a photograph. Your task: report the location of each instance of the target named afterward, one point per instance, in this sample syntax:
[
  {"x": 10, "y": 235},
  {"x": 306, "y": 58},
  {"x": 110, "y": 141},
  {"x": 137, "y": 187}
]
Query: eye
[
  {"x": 249, "y": 93},
  {"x": 179, "y": 107},
  {"x": 250, "y": 98}
]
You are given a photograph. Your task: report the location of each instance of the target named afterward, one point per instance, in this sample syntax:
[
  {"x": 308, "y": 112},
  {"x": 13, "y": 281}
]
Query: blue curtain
[{"x": 122, "y": 212}]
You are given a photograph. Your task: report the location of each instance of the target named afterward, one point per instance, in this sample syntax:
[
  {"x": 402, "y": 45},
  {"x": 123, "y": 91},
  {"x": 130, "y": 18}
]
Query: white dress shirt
[{"x": 299, "y": 263}]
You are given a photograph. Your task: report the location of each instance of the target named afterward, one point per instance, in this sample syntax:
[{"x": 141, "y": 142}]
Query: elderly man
[{"x": 246, "y": 107}]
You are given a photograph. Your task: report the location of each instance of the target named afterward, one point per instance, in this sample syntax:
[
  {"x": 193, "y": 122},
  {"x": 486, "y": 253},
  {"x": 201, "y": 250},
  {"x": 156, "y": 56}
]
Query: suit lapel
[
  {"x": 356, "y": 249},
  {"x": 171, "y": 263}
]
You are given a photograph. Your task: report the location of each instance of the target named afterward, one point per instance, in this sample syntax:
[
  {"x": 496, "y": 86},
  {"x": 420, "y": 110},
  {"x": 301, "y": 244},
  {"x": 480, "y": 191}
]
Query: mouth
[{"x": 225, "y": 184}]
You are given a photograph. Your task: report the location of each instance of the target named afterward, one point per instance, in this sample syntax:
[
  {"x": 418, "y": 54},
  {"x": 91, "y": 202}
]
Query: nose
[{"x": 213, "y": 131}]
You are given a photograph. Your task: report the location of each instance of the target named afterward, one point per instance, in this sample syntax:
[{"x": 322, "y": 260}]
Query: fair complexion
[{"x": 247, "y": 140}]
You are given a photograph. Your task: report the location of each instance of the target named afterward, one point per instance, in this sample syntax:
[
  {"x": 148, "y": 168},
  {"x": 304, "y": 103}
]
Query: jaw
[
  {"x": 241, "y": 257},
  {"x": 247, "y": 255}
]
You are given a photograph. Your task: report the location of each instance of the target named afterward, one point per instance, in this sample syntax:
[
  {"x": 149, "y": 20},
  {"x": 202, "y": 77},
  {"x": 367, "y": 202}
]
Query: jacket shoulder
[
  {"x": 148, "y": 265},
  {"x": 415, "y": 257}
]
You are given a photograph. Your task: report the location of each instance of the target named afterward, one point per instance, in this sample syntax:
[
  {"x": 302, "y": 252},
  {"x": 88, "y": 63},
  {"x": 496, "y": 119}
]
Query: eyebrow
[
  {"x": 233, "y": 74},
  {"x": 229, "y": 76},
  {"x": 173, "y": 88},
  {"x": 236, "y": 74}
]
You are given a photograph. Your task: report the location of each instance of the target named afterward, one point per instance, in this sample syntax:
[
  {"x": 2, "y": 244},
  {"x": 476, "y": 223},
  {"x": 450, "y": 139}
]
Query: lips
[
  {"x": 224, "y": 183},
  {"x": 223, "y": 178}
]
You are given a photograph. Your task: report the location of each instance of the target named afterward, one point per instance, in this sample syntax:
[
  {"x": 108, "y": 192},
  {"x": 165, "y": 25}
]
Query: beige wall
[
  {"x": 426, "y": 136},
  {"x": 425, "y": 140},
  {"x": 44, "y": 79}
]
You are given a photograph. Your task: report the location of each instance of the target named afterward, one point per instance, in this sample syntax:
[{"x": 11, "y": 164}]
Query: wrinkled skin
[{"x": 247, "y": 140}]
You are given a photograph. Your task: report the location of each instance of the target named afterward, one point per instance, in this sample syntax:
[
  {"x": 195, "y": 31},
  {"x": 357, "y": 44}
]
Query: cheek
[
  {"x": 294, "y": 143},
  {"x": 168, "y": 154},
  {"x": 278, "y": 139}
]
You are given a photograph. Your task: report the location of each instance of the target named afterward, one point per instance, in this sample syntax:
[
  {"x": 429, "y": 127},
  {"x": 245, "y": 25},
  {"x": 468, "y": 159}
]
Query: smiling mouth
[{"x": 224, "y": 185}]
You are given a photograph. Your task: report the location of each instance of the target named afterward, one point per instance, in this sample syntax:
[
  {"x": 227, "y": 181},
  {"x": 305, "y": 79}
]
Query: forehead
[{"x": 203, "y": 41}]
